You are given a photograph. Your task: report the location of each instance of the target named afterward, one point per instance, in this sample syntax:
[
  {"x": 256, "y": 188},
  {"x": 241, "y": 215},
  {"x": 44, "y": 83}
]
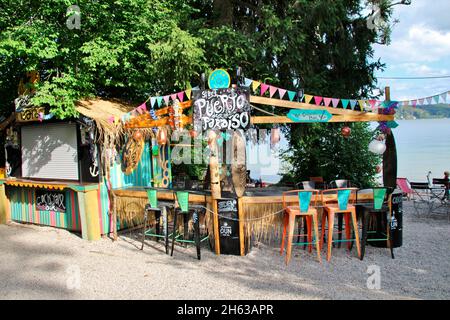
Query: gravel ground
[{"x": 40, "y": 263}]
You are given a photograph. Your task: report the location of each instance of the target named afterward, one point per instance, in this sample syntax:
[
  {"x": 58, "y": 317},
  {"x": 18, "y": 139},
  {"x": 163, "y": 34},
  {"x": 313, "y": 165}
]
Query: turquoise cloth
[
  {"x": 343, "y": 198},
  {"x": 304, "y": 199}
]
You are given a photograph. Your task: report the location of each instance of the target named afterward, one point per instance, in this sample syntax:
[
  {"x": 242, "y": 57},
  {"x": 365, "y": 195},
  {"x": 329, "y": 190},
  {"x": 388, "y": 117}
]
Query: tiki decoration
[{"x": 132, "y": 155}]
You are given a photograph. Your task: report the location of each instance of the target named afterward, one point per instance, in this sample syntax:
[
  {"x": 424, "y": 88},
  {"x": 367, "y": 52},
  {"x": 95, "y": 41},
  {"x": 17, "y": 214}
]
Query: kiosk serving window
[{"x": 50, "y": 151}]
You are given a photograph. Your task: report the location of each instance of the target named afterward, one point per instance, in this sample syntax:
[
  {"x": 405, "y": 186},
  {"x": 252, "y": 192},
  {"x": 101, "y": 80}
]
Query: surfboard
[{"x": 238, "y": 164}]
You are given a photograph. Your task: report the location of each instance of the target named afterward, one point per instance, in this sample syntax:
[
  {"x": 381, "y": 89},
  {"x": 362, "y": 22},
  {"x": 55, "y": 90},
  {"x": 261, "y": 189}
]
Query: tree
[
  {"x": 324, "y": 47},
  {"x": 126, "y": 49}
]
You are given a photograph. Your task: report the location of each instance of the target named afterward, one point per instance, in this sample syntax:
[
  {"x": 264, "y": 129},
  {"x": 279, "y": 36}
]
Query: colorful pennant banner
[{"x": 436, "y": 99}]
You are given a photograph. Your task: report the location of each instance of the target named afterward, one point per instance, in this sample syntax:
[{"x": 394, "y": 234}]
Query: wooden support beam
[
  {"x": 300, "y": 105},
  {"x": 363, "y": 117},
  {"x": 241, "y": 226}
]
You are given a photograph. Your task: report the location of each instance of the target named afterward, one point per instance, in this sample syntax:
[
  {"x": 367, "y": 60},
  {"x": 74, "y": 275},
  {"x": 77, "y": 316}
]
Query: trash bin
[{"x": 396, "y": 226}]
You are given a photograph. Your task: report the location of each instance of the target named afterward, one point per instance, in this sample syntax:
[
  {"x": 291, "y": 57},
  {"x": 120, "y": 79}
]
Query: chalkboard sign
[
  {"x": 397, "y": 219},
  {"x": 50, "y": 201},
  {"x": 228, "y": 226},
  {"x": 221, "y": 109}
]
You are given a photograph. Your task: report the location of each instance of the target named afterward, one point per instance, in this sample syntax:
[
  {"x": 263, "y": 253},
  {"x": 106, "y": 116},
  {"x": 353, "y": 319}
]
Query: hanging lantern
[
  {"x": 346, "y": 132},
  {"x": 162, "y": 137},
  {"x": 274, "y": 137},
  {"x": 377, "y": 147},
  {"x": 137, "y": 135}
]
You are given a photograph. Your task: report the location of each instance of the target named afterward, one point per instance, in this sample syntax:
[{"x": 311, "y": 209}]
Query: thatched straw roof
[{"x": 101, "y": 112}]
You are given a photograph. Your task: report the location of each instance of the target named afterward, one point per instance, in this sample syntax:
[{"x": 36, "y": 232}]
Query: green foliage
[
  {"x": 127, "y": 49},
  {"x": 320, "y": 150},
  {"x": 437, "y": 111}
]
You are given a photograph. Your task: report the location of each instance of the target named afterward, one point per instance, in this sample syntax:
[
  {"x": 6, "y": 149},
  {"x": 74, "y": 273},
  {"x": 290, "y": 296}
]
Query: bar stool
[
  {"x": 160, "y": 212},
  {"x": 305, "y": 210},
  {"x": 372, "y": 214},
  {"x": 335, "y": 202},
  {"x": 185, "y": 209}
]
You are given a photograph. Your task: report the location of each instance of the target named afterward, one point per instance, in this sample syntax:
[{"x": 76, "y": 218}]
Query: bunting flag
[
  {"x": 436, "y": 98},
  {"x": 373, "y": 103},
  {"x": 166, "y": 100},
  {"x": 362, "y": 104},
  {"x": 414, "y": 103},
  {"x": 152, "y": 102},
  {"x": 173, "y": 96},
  {"x": 272, "y": 90},
  {"x": 353, "y": 104},
  {"x": 282, "y": 92},
  {"x": 291, "y": 95},
  {"x": 188, "y": 93},
  {"x": 181, "y": 96},
  {"x": 327, "y": 101},
  {"x": 345, "y": 103},
  {"x": 421, "y": 101},
  {"x": 264, "y": 88},
  {"x": 318, "y": 100},
  {"x": 248, "y": 82},
  {"x": 429, "y": 100},
  {"x": 335, "y": 102},
  {"x": 444, "y": 97},
  {"x": 255, "y": 85},
  {"x": 159, "y": 101},
  {"x": 308, "y": 98}
]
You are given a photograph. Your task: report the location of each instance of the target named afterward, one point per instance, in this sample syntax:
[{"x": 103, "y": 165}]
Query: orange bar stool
[
  {"x": 303, "y": 209},
  {"x": 340, "y": 201}
]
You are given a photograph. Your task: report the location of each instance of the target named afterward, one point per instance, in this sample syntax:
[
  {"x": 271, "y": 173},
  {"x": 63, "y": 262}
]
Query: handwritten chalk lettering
[
  {"x": 222, "y": 109},
  {"x": 226, "y": 230},
  {"x": 227, "y": 206},
  {"x": 50, "y": 201}
]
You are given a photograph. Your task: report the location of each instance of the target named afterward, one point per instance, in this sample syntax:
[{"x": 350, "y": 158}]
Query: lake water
[{"x": 422, "y": 146}]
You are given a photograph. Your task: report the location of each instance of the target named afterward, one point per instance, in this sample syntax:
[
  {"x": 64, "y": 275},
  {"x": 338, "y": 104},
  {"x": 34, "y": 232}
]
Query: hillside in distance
[{"x": 438, "y": 111}]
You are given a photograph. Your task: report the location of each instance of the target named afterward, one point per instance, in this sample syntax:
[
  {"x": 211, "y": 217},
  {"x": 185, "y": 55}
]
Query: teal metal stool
[
  {"x": 185, "y": 209},
  {"x": 161, "y": 213}
]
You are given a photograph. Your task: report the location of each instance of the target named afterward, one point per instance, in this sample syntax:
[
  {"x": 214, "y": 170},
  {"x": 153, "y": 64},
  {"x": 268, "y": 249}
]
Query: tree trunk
[
  {"x": 223, "y": 12},
  {"x": 390, "y": 162}
]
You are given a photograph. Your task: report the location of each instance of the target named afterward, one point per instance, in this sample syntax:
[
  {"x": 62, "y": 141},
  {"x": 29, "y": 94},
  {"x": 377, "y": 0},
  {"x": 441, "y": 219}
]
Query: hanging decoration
[
  {"x": 377, "y": 147},
  {"x": 274, "y": 137},
  {"x": 346, "y": 132},
  {"x": 436, "y": 99},
  {"x": 162, "y": 136}
]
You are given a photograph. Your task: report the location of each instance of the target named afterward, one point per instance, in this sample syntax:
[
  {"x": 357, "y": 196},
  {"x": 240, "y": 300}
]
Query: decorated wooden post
[
  {"x": 390, "y": 156},
  {"x": 215, "y": 185}
]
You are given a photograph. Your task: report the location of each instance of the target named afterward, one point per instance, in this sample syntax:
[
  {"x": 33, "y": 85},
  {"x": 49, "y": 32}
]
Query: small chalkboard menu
[
  {"x": 50, "y": 201},
  {"x": 221, "y": 109},
  {"x": 397, "y": 219},
  {"x": 228, "y": 226}
]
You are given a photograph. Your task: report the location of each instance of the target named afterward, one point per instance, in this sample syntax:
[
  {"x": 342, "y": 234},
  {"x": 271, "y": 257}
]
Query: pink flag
[
  {"x": 414, "y": 103},
  {"x": 335, "y": 102},
  {"x": 272, "y": 90},
  {"x": 421, "y": 101},
  {"x": 264, "y": 88},
  {"x": 373, "y": 103},
  {"x": 318, "y": 100},
  {"x": 281, "y": 92},
  {"x": 181, "y": 96},
  {"x": 327, "y": 101},
  {"x": 173, "y": 97},
  {"x": 166, "y": 100}
]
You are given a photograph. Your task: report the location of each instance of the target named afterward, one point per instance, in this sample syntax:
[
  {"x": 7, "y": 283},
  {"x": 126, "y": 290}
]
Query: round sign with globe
[{"x": 219, "y": 79}]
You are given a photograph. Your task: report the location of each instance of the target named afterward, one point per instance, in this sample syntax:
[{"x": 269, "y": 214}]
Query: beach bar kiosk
[{"x": 61, "y": 173}]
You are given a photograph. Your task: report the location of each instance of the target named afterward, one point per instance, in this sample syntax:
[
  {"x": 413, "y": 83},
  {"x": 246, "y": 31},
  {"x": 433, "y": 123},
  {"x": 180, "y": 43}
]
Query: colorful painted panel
[
  {"x": 23, "y": 209},
  {"x": 141, "y": 177}
]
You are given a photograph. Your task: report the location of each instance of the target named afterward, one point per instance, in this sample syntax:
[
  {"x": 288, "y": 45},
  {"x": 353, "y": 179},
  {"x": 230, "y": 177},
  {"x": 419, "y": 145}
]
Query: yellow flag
[
  {"x": 308, "y": 98},
  {"x": 362, "y": 104},
  {"x": 188, "y": 93},
  {"x": 255, "y": 85}
]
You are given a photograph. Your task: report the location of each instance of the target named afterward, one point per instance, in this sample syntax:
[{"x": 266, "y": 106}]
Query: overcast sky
[{"x": 420, "y": 47}]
